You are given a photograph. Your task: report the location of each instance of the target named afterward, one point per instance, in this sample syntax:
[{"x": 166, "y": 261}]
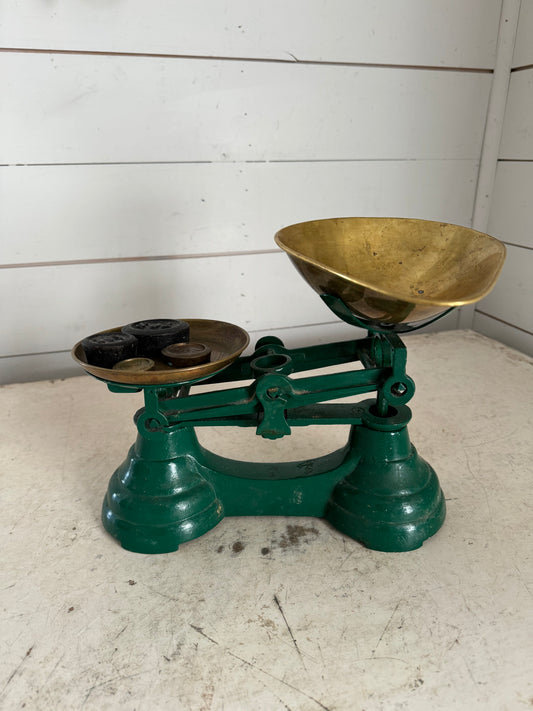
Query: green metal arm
[
  {"x": 268, "y": 400},
  {"x": 306, "y": 358},
  {"x": 274, "y": 402}
]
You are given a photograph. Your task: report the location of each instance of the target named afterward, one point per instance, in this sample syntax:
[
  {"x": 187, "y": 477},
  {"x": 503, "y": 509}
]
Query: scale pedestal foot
[
  {"x": 156, "y": 499},
  {"x": 392, "y": 501}
]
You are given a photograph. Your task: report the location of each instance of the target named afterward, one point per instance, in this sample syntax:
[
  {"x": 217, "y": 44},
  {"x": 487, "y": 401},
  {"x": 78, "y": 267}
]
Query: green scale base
[{"x": 376, "y": 489}]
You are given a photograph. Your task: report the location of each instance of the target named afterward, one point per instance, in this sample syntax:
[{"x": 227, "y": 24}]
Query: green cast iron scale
[{"x": 387, "y": 275}]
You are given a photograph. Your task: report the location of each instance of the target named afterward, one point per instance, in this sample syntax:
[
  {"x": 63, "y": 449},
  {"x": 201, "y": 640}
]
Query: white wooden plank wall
[
  {"x": 507, "y": 313},
  {"x": 149, "y": 152}
]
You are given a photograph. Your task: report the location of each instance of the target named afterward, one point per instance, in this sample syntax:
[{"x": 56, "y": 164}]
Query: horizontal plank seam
[
  {"x": 292, "y": 328},
  {"x": 522, "y": 68},
  {"x": 288, "y": 161},
  {"x": 154, "y": 258},
  {"x": 165, "y": 258},
  {"x": 260, "y": 330},
  {"x": 272, "y": 60},
  {"x": 515, "y": 244},
  {"x": 37, "y": 353},
  {"x": 506, "y": 323}
]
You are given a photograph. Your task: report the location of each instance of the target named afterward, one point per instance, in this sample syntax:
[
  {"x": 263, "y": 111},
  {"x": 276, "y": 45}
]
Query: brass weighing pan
[
  {"x": 225, "y": 340},
  {"x": 390, "y": 271}
]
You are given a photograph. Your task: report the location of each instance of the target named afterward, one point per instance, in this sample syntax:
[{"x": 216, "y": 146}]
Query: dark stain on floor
[
  {"x": 293, "y": 537},
  {"x": 296, "y": 534}
]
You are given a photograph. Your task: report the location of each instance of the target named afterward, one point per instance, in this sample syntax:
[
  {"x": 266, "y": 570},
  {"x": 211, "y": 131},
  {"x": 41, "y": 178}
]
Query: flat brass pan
[
  {"x": 394, "y": 270},
  {"x": 225, "y": 340}
]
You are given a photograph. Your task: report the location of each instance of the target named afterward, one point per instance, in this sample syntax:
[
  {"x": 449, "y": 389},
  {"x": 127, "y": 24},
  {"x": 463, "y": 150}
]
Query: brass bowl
[
  {"x": 394, "y": 271},
  {"x": 225, "y": 340}
]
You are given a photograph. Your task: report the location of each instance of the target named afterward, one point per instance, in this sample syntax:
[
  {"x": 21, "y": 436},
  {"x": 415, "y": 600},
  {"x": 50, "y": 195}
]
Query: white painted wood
[
  {"x": 466, "y": 317},
  {"x": 53, "y": 307},
  {"x": 506, "y": 313},
  {"x": 511, "y": 217},
  {"x": 504, "y": 333},
  {"x": 309, "y": 335},
  {"x": 38, "y": 366},
  {"x": 495, "y": 114},
  {"x": 517, "y": 139},
  {"x": 53, "y": 213},
  {"x": 511, "y": 298},
  {"x": 493, "y": 128},
  {"x": 523, "y": 54},
  {"x": 71, "y": 109},
  {"x": 443, "y": 32}
]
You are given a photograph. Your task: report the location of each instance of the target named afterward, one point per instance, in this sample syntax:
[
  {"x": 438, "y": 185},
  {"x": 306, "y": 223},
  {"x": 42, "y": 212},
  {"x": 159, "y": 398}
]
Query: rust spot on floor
[{"x": 237, "y": 547}]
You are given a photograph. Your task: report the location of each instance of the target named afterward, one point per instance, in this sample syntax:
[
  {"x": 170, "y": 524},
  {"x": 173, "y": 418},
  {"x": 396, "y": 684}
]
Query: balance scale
[{"x": 386, "y": 275}]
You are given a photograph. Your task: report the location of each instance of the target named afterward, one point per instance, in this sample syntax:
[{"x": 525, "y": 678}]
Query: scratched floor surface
[{"x": 272, "y": 613}]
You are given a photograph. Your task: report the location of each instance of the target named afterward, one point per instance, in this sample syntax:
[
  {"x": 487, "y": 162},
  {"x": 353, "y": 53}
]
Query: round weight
[
  {"x": 134, "y": 365},
  {"x": 106, "y": 349},
  {"x": 157, "y": 333},
  {"x": 185, "y": 355}
]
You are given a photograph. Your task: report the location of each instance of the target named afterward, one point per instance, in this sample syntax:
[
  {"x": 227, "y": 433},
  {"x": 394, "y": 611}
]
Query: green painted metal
[
  {"x": 392, "y": 500},
  {"x": 376, "y": 489}
]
